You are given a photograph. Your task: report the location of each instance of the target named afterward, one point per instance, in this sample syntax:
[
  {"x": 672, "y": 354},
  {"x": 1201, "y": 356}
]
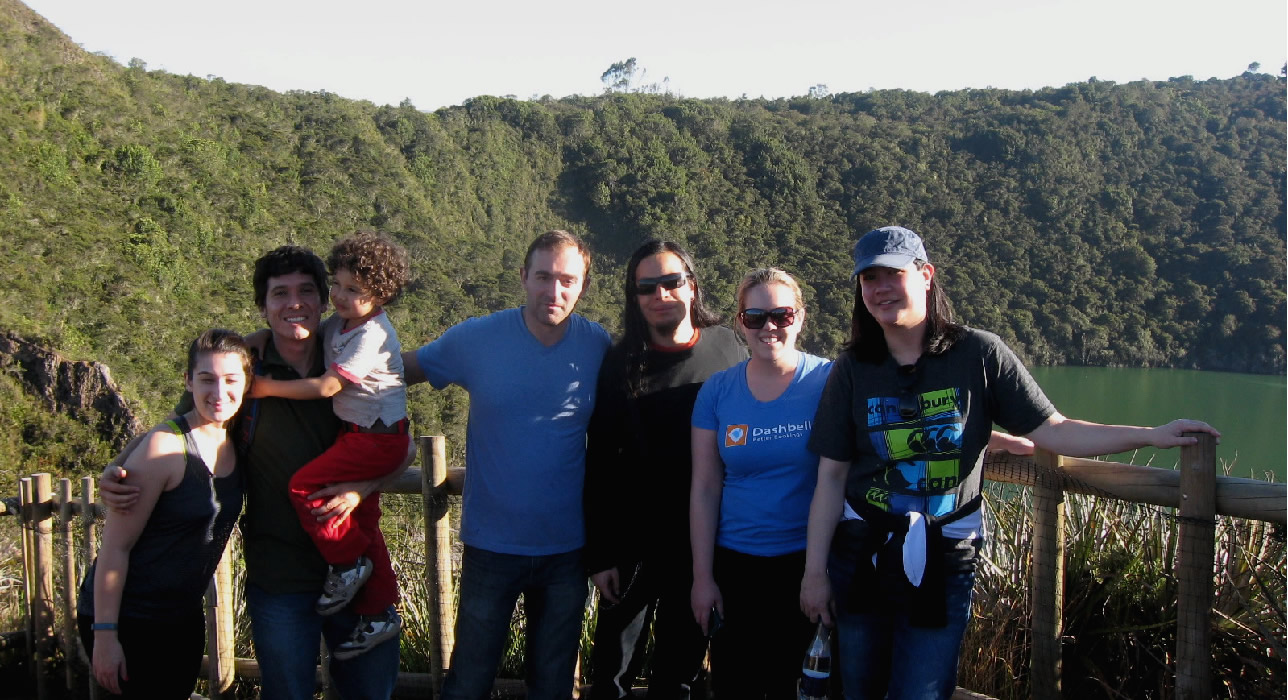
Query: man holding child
[{"x": 278, "y": 436}]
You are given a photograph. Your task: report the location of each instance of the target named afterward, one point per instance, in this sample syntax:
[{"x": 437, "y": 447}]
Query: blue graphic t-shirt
[
  {"x": 915, "y": 436},
  {"x": 525, "y": 443},
  {"x": 923, "y": 442},
  {"x": 769, "y": 474}
]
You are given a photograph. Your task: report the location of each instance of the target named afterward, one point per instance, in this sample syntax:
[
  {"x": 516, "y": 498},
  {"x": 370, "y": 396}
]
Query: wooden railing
[
  {"x": 1195, "y": 490},
  {"x": 38, "y": 510},
  {"x": 1199, "y": 496}
]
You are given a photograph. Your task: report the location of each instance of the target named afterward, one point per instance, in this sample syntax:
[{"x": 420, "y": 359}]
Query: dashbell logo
[{"x": 735, "y": 435}]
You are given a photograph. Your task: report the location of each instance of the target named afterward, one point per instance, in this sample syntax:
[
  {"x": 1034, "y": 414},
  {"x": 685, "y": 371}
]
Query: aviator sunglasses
[
  {"x": 673, "y": 281},
  {"x": 754, "y": 319}
]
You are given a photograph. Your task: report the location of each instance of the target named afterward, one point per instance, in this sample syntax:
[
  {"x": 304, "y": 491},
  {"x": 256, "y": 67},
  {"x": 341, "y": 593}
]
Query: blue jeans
[
  {"x": 883, "y": 656},
  {"x": 287, "y": 630},
  {"x": 554, "y": 592}
]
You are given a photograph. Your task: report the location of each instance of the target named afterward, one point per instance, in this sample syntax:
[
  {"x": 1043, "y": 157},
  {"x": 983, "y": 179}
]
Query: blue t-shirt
[
  {"x": 525, "y": 444},
  {"x": 769, "y": 475}
]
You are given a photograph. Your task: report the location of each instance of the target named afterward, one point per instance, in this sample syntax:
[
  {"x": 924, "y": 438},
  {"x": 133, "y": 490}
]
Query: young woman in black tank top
[{"x": 141, "y": 614}]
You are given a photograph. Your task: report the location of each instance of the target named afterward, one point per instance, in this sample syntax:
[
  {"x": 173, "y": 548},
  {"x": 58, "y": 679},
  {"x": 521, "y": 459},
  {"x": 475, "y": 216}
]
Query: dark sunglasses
[
  {"x": 673, "y": 281},
  {"x": 754, "y": 319}
]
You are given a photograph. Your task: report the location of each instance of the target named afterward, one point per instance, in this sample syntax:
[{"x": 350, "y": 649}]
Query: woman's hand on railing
[
  {"x": 816, "y": 598},
  {"x": 1173, "y": 434},
  {"x": 116, "y": 494}
]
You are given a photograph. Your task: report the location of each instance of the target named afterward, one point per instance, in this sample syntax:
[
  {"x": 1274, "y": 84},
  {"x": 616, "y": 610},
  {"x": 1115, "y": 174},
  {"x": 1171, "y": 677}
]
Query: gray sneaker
[
  {"x": 371, "y": 631},
  {"x": 342, "y": 584}
]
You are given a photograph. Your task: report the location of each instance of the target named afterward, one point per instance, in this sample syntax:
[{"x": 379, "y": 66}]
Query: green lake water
[{"x": 1250, "y": 410}]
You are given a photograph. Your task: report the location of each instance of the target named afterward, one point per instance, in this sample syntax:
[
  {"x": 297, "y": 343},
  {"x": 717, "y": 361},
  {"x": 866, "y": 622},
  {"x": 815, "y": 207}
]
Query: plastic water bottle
[{"x": 817, "y": 667}]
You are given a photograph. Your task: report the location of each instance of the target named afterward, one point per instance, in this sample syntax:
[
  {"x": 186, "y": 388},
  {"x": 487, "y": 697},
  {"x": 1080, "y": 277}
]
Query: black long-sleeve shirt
[{"x": 638, "y": 460}]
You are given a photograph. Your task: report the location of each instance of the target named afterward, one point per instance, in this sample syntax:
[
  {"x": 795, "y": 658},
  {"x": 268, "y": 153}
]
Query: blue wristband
[{"x": 98, "y": 626}]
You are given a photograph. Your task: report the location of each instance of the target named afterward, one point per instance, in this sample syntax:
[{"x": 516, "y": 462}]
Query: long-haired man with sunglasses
[{"x": 638, "y": 471}]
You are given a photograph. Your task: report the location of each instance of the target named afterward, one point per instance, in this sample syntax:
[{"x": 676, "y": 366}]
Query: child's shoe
[
  {"x": 371, "y": 631},
  {"x": 342, "y": 584}
]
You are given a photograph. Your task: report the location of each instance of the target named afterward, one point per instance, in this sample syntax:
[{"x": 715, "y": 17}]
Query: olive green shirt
[{"x": 284, "y": 435}]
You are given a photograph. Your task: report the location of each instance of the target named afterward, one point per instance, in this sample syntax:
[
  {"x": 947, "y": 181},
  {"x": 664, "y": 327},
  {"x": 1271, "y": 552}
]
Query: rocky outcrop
[{"x": 83, "y": 390}]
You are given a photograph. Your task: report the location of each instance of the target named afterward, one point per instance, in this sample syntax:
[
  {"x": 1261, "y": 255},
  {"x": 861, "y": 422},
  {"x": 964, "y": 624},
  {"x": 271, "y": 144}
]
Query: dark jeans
[
  {"x": 162, "y": 657},
  {"x": 757, "y": 654},
  {"x": 650, "y": 590},
  {"x": 287, "y": 629},
  {"x": 883, "y": 656},
  {"x": 554, "y": 592}
]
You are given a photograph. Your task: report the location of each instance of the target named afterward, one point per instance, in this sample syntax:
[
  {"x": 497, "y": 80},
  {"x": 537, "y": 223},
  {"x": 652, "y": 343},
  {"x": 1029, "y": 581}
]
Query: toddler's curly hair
[{"x": 378, "y": 263}]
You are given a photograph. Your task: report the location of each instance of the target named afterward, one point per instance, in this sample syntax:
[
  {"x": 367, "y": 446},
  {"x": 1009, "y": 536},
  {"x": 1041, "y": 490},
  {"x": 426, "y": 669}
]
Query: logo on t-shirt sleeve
[{"x": 735, "y": 435}]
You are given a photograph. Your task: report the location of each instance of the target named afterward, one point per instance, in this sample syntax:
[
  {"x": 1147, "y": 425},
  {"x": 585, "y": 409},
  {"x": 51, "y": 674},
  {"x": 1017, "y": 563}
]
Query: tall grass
[
  {"x": 11, "y": 581},
  {"x": 1120, "y": 603}
]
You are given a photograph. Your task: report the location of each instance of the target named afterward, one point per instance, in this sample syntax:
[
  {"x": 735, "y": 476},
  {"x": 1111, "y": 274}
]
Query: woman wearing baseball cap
[{"x": 895, "y": 522}]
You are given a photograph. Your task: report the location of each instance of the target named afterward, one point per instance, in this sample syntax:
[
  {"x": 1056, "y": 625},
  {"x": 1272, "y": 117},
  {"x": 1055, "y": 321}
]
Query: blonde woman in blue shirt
[{"x": 753, "y": 478}]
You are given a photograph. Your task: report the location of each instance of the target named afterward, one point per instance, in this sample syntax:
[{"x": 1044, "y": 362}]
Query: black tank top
[{"x": 172, "y": 561}]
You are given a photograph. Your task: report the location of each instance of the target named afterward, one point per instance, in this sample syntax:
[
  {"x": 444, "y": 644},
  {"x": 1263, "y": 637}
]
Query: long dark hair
[
  {"x": 867, "y": 340},
  {"x": 635, "y": 335}
]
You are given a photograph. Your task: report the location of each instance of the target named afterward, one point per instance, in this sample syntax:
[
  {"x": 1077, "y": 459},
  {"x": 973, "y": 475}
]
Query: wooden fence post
[
  {"x": 43, "y": 598},
  {"x": 438, "y": 556},
  {"x": 28, "y": 519},
  {"x": 67, "y": 523},
  {"x": 1194, "y": 569},
  {"x": 89, "y": 519},
  {"x": 89, "y": 545},
  {"x": 220, "y": 626},
  {"x": 1048, "y": 576}
]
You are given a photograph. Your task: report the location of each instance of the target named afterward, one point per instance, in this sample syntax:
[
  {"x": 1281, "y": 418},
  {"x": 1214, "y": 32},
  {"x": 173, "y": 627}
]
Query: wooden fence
[{"x": 1195, "y": 490}]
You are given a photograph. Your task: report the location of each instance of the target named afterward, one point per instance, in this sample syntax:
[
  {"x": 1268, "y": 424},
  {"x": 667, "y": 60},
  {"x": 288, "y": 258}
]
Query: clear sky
[{"x": 442, "y": 53}]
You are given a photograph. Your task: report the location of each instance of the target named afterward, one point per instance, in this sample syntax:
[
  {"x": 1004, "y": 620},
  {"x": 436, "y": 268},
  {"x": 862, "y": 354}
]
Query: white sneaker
[
  {"x": 371, "y": 631},
  {"x": 342, "y": 584}
]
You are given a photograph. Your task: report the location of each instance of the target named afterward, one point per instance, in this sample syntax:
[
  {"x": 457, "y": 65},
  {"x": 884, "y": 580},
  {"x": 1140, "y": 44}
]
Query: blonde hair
[{"x": 767, "y": 276}]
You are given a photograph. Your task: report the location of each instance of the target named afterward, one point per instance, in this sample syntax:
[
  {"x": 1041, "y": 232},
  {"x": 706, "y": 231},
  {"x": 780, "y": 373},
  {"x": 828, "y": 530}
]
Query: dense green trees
[{"x": 1139, "y": 224}]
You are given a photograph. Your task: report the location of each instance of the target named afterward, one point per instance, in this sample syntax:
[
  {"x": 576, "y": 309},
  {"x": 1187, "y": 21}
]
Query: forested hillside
[{"x": 1139, "y": 224}]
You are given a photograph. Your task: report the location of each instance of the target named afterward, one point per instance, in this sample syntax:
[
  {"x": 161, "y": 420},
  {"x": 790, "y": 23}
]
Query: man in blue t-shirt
[{"x": 530, "y": 373}]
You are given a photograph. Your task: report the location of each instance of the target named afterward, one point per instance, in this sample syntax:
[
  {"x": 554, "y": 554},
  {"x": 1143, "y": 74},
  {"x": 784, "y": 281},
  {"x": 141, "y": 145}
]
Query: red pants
[{"x": 354, "y": 457}]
